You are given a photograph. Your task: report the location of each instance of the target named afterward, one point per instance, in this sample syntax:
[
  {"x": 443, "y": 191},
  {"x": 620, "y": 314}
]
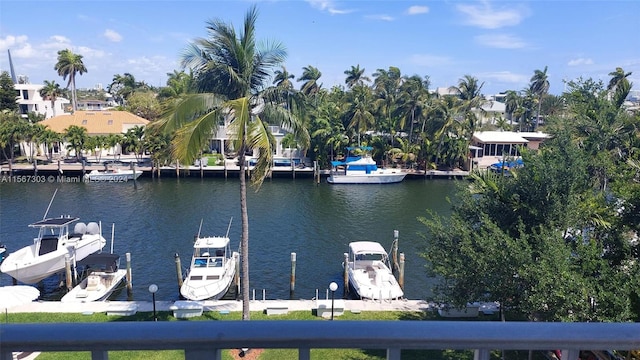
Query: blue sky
[{"x": 499, "y": 42}]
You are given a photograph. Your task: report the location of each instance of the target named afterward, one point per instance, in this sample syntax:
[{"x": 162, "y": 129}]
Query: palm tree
[
  {"x": 512, "y": 101},
  {"x": 68, "y": 65},
  {"x": 359, "y": 109},
  {"x": 76, "y": 137},
  {"x": 283, "y": 79},
  {"x": 49, "y": 138},
  {"x": 122, "y": 86},
  {"x": 619, "y": 86},
  {"x": 539, "y": 87},
  {"x": 51, "y": 91},
  {"x": 310, "y": 76},
  {"x": 355, "y": 76},
  {"x": 414, "y": 98},
  {"x": 230, "y": 71}
]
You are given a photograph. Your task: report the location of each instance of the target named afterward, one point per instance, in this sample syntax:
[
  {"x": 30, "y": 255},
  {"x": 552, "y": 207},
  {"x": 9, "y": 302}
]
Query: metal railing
[{"x": 206, "y": 339}]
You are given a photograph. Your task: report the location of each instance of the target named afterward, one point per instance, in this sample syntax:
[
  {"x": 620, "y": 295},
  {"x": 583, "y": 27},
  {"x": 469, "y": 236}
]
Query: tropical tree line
[
  {"x": 399, "y": 116},
  {"x": 559, "y": 239}
]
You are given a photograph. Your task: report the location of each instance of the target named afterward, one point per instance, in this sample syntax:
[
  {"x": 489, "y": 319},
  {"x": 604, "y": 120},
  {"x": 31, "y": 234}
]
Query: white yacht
[
  {"x": 212, "y": 270},
  {"x": 362, "y": 169},
  {"x": 370, "y": 273},
  {"x": 46, "y": 256}
]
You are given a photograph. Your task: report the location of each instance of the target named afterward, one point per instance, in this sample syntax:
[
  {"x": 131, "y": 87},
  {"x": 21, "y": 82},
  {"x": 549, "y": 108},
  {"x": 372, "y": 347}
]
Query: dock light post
[
  {"x": 153, "y": 288},
  {"x": 333, "y": 287}
]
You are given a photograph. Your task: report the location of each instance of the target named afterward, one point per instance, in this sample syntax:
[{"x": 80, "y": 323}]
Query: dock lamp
[
  {"x": 333, "y": 287},
  {"x": 153, "y": 288}
]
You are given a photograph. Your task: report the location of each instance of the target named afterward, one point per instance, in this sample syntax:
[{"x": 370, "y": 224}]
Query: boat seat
[{"x": 93, "y": 282}]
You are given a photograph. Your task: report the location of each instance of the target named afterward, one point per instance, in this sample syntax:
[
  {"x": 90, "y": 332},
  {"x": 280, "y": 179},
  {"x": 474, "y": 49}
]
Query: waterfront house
[
  {"x": 489, "y": 147},
  {"x": 96, "y": 123},
  {"x": 29, "y": 100}
]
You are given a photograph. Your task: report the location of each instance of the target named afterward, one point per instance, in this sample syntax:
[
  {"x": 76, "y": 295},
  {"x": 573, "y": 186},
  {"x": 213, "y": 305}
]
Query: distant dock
[{"x": 73, "y": 172}]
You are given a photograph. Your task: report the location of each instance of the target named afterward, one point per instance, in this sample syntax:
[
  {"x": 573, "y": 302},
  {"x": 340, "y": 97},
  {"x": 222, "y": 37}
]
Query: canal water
[{"x": 156, "y": 219}]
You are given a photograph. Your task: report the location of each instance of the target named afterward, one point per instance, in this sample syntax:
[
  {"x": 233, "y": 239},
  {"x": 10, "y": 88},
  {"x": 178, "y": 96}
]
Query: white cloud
[
  {"x": 90, "y": 53},
  {"x": 112, "y": 35},
  {"x": 11, "y": 40},
  {"x": 429, "y": 60},
  {"x": 328, "y": 6},
  {"x": 505, "y": 76},
  {"x": 501, "y": 41},
  {"x": 380, "y": 17},
  {"x": 485, "y": 16},
  {"x": 417, "y": 9},
  {"x": 580, "y": 61}
]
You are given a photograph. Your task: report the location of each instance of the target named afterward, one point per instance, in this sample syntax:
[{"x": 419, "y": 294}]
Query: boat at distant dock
[
  {"x": 362, "y": 169},
  {"x": 112, "y": 175}
]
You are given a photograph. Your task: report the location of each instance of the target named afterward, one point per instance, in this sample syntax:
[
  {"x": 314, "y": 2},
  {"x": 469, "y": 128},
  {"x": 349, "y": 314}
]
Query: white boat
[
  {"x": 112, "y": 175},
  {"x": 362, "y": 169},
  {"x": 370, "y": 273},
  {"x": 3, "y": 250},
  {"x": 46, "y": 256},
  {"x": 212, "y": 270},
  {"x": 102, "y": 277}
]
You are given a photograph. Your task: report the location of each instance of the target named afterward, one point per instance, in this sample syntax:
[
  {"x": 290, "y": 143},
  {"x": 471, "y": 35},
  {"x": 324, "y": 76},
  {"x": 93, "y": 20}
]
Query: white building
[{"x": 29, "y": 100}]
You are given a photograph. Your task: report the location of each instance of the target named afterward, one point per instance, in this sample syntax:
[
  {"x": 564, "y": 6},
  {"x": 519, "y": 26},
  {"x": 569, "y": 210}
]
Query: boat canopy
[
  {"x": 366, "y": 247},
  {"x": 104, "y": 261},
  {"x": 54, "y": 222},
  {"x": 211, "y": 242}
]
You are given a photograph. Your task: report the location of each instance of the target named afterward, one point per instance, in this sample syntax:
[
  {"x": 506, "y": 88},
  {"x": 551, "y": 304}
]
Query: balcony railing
[{"x": 206, "y": 339}]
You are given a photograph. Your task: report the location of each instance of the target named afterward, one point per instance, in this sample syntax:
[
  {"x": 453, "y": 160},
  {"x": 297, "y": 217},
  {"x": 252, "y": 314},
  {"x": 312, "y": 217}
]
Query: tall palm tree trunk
[{"x": 244, "y": 240}]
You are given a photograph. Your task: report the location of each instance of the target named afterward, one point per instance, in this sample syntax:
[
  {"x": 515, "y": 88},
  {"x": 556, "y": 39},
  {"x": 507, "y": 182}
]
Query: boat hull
[
  {"x": 100, "y": 290},
  {"x": 120, "y": 176},
  {"x": 374, "y": 282},
  {"x": 24, "y": 266},
  {"x": 209, "y": 283},
  {"x": 385, "y": 178}
]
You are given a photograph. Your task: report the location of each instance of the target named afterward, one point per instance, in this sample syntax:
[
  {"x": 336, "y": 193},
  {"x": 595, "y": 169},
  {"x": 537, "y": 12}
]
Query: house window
[
  {"x": 84, "y": 122},
  {"x": 25, "y": 94},
  {"x": 109, "y": 122}
]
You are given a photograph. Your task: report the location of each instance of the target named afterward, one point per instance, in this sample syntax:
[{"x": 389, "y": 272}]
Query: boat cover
[
  {"x": 53, "y": 222},
  {"x": 211, "y": 242},
  {"x": 366, "y": 247}
]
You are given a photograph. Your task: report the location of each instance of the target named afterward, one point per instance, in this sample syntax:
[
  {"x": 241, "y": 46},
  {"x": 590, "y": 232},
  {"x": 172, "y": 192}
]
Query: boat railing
[{"x": 206, "y": 339}]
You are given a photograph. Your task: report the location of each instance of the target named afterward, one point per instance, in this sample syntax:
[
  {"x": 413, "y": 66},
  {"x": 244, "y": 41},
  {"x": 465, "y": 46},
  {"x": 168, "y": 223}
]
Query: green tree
[
  {"x": 68, "y": 65},
  {"x": 76, "y": 137},
  {"x": 539, "y": 86},
  {"x": 310, "y": 76},
  {"x": 355, "y": 77},
  {"x": 144, "y": 104},
  {"x": 230, "y": 71},
  {"x": 51, "y": 91},
  {"x": 123, "y": 86},
  {"x": 49, "y": 138},
  {"x": 358, "y": 110},
  {"x": 8, "y": 101}
]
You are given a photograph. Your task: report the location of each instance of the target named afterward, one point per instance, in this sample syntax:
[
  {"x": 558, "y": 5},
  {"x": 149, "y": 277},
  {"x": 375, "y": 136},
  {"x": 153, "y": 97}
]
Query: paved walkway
[{"x": 221, "y": 305}]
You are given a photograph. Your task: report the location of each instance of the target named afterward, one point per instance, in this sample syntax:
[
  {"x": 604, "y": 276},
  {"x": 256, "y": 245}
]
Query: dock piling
[
  {"x": 67, "y": 268},
  {"x": 401, "y": 272},
  {"x": 178, "y": 269},
  {"x": 129, "y": 281},
  {"x": 237, "y": 275},
  {"x": 345, "y": 276},
  {"x": 394, "y": 251},
  {"x": 293, "y": 276}
]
